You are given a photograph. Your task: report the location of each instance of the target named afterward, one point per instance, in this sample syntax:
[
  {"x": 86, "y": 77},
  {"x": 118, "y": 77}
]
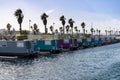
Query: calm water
[{"x": 100, "y": 63}]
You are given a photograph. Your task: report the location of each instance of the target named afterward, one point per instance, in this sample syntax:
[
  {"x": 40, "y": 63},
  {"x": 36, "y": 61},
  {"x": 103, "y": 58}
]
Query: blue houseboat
[
  {"x": 79, "y": 41},
  {"x": 17, "y": 48},
  {"x": 97, "y": 41},
  {"x": 74, "y": 44},
  {"x": 84, "y": 43}
]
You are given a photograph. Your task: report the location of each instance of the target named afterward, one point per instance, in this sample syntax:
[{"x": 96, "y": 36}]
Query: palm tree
[
  {"x": 35, "y": 28},
  {"x": 8, "y": 27},
  {"x": 106, "y": 32},
  {"x": 51, "y": 29},
  {"x": 76, "y": 29},
  {"x": 119, "y": 32},
  {"x": 116, "y": 32},
  {"x": 70, "y": 21},
  {"x": 56, "y": 31},
  {"x": 61, "y": 29},
  {"x": 62, "y": 19},
  {"x": 86, "y": 31},
  {"x": 19, "y": 15},
  {"x": 67, "y": 28},
  {"x": 99, "y": 31},
  {"x": 83, "y": 26},
  {"x": 92, "y": 30},
  {"x": 112, "y": 32},
  {"x": 44, "y": 17}
]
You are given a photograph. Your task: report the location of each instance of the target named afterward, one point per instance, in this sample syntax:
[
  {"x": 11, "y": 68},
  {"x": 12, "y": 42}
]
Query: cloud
[
  {"x": 99, "y": 20},
  {"x": 50, "y": 11}
]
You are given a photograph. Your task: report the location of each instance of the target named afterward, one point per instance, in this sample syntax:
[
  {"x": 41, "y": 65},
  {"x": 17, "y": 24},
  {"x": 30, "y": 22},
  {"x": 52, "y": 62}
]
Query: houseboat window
[
  {"x": 48, "y": 42},
  {"x": 3, "y": 44},
  {"x": 79, "y": 40},
  {"x": 20, "y": 44},
  {"x": 66, "y": 40}
]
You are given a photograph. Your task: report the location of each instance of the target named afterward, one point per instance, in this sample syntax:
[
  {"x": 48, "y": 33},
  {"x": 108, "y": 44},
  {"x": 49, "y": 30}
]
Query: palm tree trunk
[
  {"x": 99, "y": 34},
  {"x": 63, "y": 30},
  {"x": 45, "y": 30},
  {"x": 106, "y": 33},
  {"x": 52, "y": 31},
  {"x": 72, "y": 38},
  {"x": 92, "y": 33},
  {"x": 72, "y": 32},
  {"x": 84, "y": 32},
  {"x": 20, "y": 28}
]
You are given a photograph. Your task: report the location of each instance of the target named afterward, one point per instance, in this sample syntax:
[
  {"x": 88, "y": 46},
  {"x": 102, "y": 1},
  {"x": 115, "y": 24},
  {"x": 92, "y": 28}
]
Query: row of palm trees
[{"x": 19, "y": 15}]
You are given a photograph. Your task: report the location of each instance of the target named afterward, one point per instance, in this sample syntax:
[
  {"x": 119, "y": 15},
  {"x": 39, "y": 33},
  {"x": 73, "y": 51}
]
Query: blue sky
[{"x": 104, "y": 14}]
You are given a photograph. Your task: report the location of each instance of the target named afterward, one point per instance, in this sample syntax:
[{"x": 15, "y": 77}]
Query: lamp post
[
  {"x": 29, "y": 25},
  {"x": 53, "y": 31},
  {"x": 53, "y": 27}
]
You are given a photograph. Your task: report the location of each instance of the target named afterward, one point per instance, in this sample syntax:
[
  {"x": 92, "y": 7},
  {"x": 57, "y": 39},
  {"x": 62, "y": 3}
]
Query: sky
[{"x": 99, "y": 14}]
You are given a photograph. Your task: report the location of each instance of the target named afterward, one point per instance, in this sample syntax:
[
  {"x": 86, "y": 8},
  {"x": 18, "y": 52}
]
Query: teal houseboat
[{"x": 47, "y": 46}]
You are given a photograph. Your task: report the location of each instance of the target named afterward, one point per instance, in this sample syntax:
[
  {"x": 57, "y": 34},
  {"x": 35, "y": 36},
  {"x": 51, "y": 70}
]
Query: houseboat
[
  {"x": 17, "y": 48},
  {"x": 47, "y": 46}
]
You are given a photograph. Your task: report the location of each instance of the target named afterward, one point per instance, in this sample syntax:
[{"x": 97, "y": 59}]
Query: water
[{"x": 100, "y": 63}]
